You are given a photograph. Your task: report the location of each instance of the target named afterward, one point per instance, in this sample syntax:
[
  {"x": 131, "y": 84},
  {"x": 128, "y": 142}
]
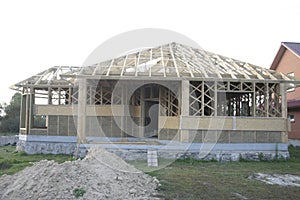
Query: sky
[{"x": 36, "y": 35}]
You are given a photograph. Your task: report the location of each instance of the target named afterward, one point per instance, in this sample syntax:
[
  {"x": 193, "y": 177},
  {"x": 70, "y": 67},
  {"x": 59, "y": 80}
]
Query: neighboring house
[
  {"x": 287, "y": 61},
  {"x": 171, "y": 93}
]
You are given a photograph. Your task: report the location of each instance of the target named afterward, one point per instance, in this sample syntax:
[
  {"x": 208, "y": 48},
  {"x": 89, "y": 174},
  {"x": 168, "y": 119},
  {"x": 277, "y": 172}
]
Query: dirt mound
[{"x": 101, "y": 175}]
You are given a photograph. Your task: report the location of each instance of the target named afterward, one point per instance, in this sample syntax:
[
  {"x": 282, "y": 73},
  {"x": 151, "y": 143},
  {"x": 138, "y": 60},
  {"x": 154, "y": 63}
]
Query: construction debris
[{"x": 278, "y": 179}]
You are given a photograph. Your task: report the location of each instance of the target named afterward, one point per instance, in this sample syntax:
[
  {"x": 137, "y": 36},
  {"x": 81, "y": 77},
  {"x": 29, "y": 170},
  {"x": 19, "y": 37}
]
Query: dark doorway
[{"x": 151, "y": 111}]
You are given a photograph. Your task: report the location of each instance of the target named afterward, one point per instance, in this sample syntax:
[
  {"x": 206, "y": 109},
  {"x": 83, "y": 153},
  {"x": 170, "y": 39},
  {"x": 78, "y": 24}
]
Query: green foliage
[
  {"x": 11, "y": 121},
  {"x": 261, "y": 156},
  {"x": 294, "y": 153},
  {"x": 241, "y": 159},
  {"x": 78, "y": 192}
]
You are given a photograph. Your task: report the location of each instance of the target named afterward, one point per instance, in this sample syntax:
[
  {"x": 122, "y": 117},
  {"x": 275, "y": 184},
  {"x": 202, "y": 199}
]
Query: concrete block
[{"x": 8, "y": 140}]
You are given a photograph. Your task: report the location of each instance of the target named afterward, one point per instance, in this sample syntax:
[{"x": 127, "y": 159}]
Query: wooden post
[
  {"x": 126, "y": 107},
  {"x": 30, "y": 114},
  {"x": 267, "y": 99},
  {"x": 23, "y": 110},
  {"x": 216, "y": 98},
  {"x": 284, "y": 134},
  {"x": 49, "y": 96},
  {"x": 254, "y": 100},
  {"x": 27, "y": 111},
  {"x": 202, "y": 98},
  {"x": 283, "y": 100},
  {"x": 142, "y": 122},
  {"x": 185, "y": 94},
  {"x": 81, "y": 123}
]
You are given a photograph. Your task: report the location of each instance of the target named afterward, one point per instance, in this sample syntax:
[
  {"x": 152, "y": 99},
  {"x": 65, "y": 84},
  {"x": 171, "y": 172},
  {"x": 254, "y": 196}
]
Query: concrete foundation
[
  {"x": 8, "y": 140},
  {"x": 294, "y": 142},
  {"x": 130, "y": 150}
]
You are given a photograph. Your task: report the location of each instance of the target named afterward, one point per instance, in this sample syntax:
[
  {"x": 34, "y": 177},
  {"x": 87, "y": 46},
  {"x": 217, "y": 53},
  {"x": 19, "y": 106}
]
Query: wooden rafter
[
  {"x": 229, "y": 71},
  {"x": 151, "y": 56},
  {"x": 238, "y": 68},
  {"x": 186, "y": 63},
  {"x": 96, "y": 69},
  {"x": 200, "y": 67},
  {"x": 137, "y": 63},
  {"x": 195, "y": 62},
  {"x": 111, "y": 64},
  {"x": 253, "y": 71},
  {"x": 124, "y": 64},
  {"x": 162, "y": 61},
  {"x": 174, "y": 60}
]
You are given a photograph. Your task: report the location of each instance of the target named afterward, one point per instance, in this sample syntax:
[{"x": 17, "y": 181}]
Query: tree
[{"x": 11, "y": 121}]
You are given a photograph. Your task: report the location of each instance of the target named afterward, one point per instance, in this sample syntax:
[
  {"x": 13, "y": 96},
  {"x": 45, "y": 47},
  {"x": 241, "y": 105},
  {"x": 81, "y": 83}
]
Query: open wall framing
[{"x": 171, "y": 92}]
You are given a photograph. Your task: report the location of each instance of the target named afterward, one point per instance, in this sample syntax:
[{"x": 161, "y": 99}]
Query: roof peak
[
  {"x": 292, "y": 46},
  {"x": 172, "y": 61}
]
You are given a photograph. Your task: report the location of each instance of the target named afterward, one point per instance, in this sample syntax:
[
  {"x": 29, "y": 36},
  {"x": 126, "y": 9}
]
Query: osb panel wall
[
  {"x": 239, "y": 124},
  {"x": 235, "y": 136},
  {"x": 91, "y": 110},
  {"x": 112, "y": 126},
  {"x": 61, "y": 125}
]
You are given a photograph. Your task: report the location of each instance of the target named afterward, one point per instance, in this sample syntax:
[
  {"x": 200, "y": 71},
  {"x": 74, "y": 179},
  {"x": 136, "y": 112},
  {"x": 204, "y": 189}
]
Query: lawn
[
  {"x": 12, "y": 161},
  {"x": 191, "y": 179}
]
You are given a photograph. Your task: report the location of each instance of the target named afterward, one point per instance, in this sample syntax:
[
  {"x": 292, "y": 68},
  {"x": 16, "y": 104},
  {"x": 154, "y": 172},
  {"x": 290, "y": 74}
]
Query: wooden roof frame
[{"x": 172, "y": 61}]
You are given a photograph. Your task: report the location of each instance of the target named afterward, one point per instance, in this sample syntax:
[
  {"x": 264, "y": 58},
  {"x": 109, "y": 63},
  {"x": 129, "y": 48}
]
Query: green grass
[
  {"x": 192, "y": 179},
  {"x": 12, "y": 161}
]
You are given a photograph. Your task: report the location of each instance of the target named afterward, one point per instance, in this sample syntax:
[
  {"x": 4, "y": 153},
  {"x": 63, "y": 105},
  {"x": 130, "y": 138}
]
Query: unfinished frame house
[{"x": 171, "y": 92}]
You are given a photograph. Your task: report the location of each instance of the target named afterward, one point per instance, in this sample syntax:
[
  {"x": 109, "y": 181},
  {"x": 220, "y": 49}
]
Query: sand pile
[{"x": 101, "y": 175}]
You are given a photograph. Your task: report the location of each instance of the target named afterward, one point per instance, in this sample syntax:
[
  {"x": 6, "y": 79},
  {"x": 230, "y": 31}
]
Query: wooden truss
[
  {"x": 177, "y": 60},
  {"x": 170, "y": 61},
  {"x": 235, "y": 99},
  {"x": 169, "y": 103}
]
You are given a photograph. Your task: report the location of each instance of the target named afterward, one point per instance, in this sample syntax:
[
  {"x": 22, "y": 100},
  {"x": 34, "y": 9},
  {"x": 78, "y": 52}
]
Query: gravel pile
[{"x": 100, "y": 175}]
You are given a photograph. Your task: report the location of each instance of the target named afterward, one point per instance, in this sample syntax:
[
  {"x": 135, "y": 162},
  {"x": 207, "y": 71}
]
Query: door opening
[{"x": 151, "y": 112}]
